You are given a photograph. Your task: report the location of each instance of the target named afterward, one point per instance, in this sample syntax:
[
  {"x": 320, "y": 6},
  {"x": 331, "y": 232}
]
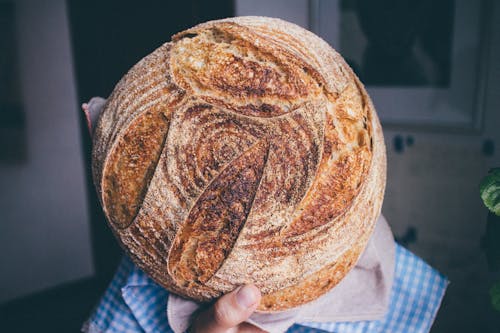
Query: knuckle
[{"x": 222, "y": 314}]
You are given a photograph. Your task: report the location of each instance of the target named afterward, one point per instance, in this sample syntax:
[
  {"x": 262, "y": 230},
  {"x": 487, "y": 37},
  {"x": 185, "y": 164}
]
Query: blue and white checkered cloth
[{"x": 135, "y": 303}]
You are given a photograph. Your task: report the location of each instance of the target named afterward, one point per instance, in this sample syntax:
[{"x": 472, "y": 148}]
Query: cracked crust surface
[{"x": 244, "y": 150}]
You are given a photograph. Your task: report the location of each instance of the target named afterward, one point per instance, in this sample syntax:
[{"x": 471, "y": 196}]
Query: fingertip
[
  {"x": 235, "y": 307},
  {"x": 248, "y": 296}
]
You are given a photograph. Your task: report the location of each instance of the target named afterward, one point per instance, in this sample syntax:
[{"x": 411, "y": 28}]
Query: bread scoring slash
[{"x": 244, "y": 150}]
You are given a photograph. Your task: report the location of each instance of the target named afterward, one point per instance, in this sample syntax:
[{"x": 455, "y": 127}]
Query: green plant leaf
[
  {"x": 490, "y": 191},
  {"x": 495, "y": 295}
]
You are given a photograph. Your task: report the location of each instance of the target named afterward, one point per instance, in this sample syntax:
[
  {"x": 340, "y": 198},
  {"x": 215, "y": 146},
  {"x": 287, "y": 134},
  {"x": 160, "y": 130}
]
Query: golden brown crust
[
  {"x": 245, "y": 150},
  {"x": 214, "y": 222},
  {"x": 132, "y": 166},
  {"x": 315, "y": 285}
]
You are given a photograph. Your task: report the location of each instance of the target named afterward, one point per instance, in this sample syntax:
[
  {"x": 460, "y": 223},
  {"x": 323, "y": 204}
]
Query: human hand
[{"x": 228, "y": 313}]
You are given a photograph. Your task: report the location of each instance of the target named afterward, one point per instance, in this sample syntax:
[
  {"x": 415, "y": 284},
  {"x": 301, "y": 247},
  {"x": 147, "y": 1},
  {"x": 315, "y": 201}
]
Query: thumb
[{"x": 229, "y": 311}]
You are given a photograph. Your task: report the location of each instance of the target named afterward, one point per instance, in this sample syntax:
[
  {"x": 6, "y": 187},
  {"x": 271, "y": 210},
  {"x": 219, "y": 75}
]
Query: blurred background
[{"x": 431, "y": 68}]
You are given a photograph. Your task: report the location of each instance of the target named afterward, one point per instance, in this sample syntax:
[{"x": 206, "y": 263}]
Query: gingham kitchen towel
[{"x": 135, "y": 303}]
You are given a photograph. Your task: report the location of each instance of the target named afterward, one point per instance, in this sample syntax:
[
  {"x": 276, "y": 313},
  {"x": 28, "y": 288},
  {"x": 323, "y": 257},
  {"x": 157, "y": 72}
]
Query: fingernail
[{"x": 247, "y": 296}]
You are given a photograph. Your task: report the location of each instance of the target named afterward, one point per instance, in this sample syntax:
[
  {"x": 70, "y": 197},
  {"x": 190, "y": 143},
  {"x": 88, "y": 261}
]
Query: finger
[
  {"x": 229, "y": 310},
  {"x": 85, "y": 108},
  {"x": 92, "y": 109}
]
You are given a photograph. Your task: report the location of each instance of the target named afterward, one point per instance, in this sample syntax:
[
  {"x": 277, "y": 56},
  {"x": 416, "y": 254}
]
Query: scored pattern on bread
[
  {"x": 132, "y": 166},
  {"x": 214, "y": 222},
  {"x": 261, "y": 78},
  {"x": 245, "y": 150}
]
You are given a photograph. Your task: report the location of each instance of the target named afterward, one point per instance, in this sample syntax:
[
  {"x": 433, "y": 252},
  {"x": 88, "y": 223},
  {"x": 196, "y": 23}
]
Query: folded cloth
[
  {"x": 135, "y": 303},
  {"x": 363, "y": 294}
]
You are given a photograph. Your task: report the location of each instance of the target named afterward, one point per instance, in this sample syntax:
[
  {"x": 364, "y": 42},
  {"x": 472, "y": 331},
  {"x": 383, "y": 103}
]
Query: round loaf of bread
[{"x": 244, "y": 150}]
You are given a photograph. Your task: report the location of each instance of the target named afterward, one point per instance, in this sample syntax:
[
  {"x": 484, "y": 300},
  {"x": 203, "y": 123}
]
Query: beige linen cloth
[{"x": 363, "y": 294}]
